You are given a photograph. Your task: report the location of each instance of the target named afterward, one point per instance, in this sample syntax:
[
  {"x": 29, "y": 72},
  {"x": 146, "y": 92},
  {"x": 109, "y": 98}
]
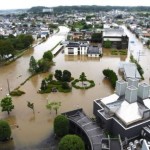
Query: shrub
[
  {"x": 71, "y": 142},
  {"x": 5, "y": 131},
  {"x": 48, "y": 55},
  {"x": 61, "y": 125},
  {"x": 111, "y": 75},
  {"x": 17, "y": 93}
]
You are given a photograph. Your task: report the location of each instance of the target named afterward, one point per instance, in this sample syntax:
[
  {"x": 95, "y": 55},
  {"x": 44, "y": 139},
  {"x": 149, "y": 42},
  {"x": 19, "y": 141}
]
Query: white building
[{"x": 76, "y": 48}]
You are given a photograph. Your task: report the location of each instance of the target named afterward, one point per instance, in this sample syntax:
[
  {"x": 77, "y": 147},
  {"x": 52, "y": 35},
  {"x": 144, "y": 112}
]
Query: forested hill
[
  {"x": 99, "y": 8},
  {"x": 63, "y": 9},
  {"x": 37, "y": 9}
]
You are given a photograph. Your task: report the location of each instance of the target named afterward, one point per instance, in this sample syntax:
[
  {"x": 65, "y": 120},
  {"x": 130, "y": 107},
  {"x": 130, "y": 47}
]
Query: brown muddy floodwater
[{"x": 33, "y": 128}]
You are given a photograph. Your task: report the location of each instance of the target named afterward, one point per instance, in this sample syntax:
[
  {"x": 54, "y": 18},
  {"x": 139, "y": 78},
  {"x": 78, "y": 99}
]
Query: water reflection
[{"x": 80, "y": 58}]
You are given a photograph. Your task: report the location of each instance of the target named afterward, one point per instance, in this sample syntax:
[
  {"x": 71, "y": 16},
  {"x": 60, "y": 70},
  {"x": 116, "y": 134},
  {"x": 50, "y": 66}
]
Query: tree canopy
[
  {"x": 6, "y": 104},
  {"x": 33, "y": 66},
  {"x": 5, "y": 130},
  {"x": 107, "y": 44},
  {"x": 64, "y": 76},
  {"x": 96, "y": 37},
  {"x": 61, "y": 125},
  {"x": 71, "y": 142},
  {"x": 111, "y": 75},
  {"x": 48, "y": 55}
]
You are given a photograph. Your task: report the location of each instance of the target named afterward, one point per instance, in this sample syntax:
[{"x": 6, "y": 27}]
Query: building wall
[
  {"x": 68, "y": 49},
  {"x": 118, "y": 42},
  {"x": 76, "y": 50},
  {"x": 113, "y": 126}
]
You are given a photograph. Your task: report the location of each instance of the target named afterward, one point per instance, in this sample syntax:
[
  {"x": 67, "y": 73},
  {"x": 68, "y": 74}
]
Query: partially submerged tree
[
  {"x": 71, "y": 142},
  {"x": 6, "y": 104},
  {"x": 61, "y": 125},
  {"x": 30, "y": 105},
  {"x": 58, "y": 75},
  {"x": 53, "y": 105},
  {"x": 5, "y": 130},
  {"x": 66, "y": 77},
  {"x": 43, "y": 85},
  {"x": 33, "y": 67},
  {"x": 56, "y": 106},
  {"x": 48, "y": 55},
  {"x": 82, "y": 77}
]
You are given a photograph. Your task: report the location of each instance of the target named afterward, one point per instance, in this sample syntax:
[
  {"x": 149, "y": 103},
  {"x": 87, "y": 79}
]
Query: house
[
  {"x": 125, "y": 112},
  {"x": 94, "y": 51},
  {"x": 76, "y": 48}
]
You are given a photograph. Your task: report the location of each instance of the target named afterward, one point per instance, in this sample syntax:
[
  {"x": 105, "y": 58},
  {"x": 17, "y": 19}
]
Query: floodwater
[{"x": 35, "y": 127}]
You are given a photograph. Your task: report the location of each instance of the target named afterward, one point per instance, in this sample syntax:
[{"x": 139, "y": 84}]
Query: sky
[{"x": 18, "y": 4}]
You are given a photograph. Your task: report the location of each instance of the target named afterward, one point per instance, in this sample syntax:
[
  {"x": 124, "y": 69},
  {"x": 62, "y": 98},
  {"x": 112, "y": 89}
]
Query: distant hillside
[
  {"x": 94, "y": 8},
  {"x": 37, "y": 9}
]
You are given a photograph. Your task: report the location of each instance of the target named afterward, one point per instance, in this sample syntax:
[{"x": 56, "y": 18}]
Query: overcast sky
[{"x": 13, "y": 4}]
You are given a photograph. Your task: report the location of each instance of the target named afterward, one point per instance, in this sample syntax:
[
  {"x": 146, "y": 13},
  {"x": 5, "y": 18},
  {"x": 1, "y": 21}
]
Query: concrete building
[
  {"x": 117, "y": 37},
  {"x": 76, "y": 48},
  {"x": 129, "y": 70},
  {"x": 125, "y": 112}
]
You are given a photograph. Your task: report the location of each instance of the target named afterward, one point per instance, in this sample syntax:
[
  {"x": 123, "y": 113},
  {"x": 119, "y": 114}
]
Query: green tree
[
  {"x": 58, "y": 75},
  {"x": 5, "y": 130},
  {"x": 50, "y": 78},
  {"x": 6, "y": 104},
  {"x": 61, "y": 125},
  {"x": 44, "y": 65},
  {"x": 96, "y": 37},
  {"x": 111, "y": 75},
  {"x": 65, "y": 85},
  {"x": 33, "y": 65},
  {"x": 71, "y": 142},
  {"x": 66, "y": 77},
  {"x": 82, "y": 77},
  {"x": 48, "y": 55},
  {"x": 49, "y": 106},
  {"x": 107, "y": 44},
  {"x": 43, "y": 85},
  {"x": 56, "y": 106},
  {"x": 6, "y": 48}
]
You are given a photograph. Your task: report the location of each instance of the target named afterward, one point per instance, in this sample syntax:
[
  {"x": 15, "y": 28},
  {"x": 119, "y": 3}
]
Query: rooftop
[
  {"x": 128, "y": 113},
  {"x": 91, "y": 129}
]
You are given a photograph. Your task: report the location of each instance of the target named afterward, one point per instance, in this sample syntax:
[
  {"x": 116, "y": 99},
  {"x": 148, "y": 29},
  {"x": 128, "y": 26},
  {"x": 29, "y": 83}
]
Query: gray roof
[
  {"x": 93, "y": 50},
  {"x": 91, "y": 129},
  {"x": 73, "y": 44}
]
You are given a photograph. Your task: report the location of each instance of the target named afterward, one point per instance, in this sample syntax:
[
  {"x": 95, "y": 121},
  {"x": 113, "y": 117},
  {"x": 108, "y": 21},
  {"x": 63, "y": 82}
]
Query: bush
[
  {"x": 139, "y": 68},
  {"x": 48, "y": 55},
  {"x": 61, "y": 125},
  {"x": 92, "y": 84},
  {"x": 107, "y": 44},
  {"x": 71, "y": 142},
  {"x": 5, "y": 131},
  {"x": 17, "y": 93},
  {"x": 111, "y": 75}
]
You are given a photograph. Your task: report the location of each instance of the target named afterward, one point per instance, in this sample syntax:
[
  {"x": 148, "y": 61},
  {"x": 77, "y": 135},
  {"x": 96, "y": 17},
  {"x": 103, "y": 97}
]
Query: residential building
[{"x": 76, "y": 48}]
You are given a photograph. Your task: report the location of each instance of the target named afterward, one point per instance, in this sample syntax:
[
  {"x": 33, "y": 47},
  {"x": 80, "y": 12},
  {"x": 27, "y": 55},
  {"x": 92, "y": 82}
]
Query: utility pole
[{"x": 8, "y": 86}]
